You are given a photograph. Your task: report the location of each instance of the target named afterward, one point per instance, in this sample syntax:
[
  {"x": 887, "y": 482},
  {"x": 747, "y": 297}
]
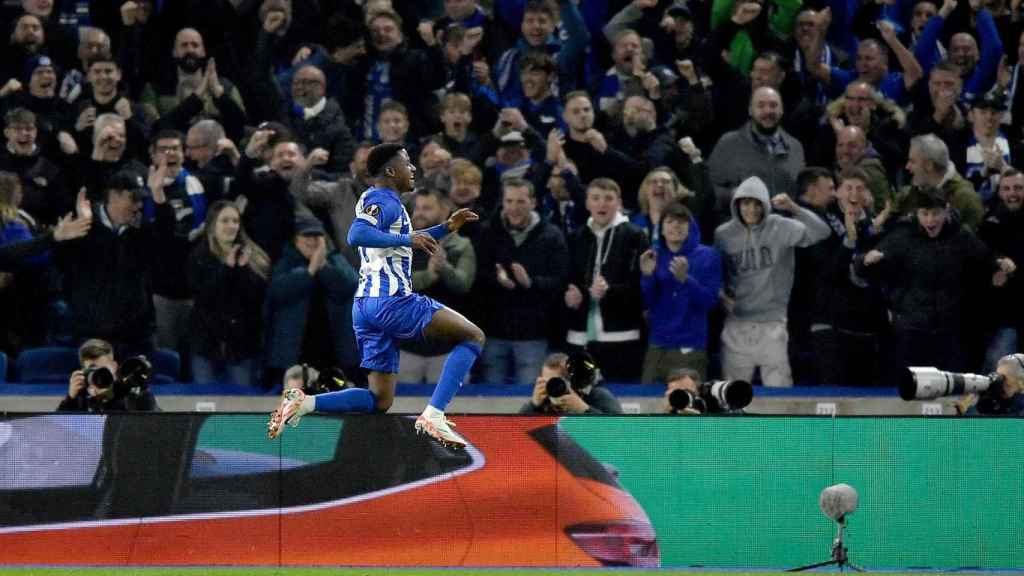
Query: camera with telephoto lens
[
  {"x": 134, "y": 372},
  {"x": 713, "y": 397},
  {"x": 680, "y": 399},
  {"x": 582, "y": 372},
  {"x": 927, "y": 382},
  {"x": 98, "y": 376},
  {"x": 726, "y": 395}
]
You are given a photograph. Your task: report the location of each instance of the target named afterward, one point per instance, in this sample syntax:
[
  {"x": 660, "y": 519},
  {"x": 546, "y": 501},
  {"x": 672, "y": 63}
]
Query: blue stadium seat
[
  {"x": 49, "y": 364},
  {"x": 166, "y": 366},
  {"x": 3, "y": 367}
]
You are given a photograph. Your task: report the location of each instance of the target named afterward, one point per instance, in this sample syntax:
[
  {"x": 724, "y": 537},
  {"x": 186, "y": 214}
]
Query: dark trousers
[
  {"x": 618, "y": 361},
  {"x": 941, "y": 349},
  {"x": 844, "y": 358}
]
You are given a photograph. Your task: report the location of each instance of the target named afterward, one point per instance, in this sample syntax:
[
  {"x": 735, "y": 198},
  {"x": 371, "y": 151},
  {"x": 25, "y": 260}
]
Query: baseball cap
[
  {"x": 309, "y": 226},
  {"x": 928, "y": 197},
  {"x": 680, "y": 11},
  {"x": 127, "y": 180},
  {"x": 992, "y": 101}
]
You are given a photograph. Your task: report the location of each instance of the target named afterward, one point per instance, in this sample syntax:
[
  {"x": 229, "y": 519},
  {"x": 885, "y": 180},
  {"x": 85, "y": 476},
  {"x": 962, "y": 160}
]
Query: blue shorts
[{"x": 378, "y": 322}]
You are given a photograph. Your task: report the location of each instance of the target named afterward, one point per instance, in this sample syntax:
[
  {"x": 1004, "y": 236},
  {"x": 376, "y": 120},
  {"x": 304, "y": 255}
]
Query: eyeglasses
[{"x": 306, "y": 82}]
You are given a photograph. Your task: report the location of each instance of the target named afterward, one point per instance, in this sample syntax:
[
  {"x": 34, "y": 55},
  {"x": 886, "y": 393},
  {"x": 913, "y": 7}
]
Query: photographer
[
  {"x": 578, "y": 393},
  {"x": 100, "y": 386},
  {"x": 1006, "y": 399},
  {"x": 685, "y": 394},
  {"x": 686, "y": 379}
]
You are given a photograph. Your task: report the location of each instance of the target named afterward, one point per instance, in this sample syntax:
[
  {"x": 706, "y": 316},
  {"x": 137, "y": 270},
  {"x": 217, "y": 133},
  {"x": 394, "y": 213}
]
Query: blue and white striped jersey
[{"x": 384, "y": 271}]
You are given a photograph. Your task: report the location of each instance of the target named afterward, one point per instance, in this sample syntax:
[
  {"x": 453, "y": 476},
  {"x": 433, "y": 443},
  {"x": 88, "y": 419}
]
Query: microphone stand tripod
[{"x": 840, "y": 554}]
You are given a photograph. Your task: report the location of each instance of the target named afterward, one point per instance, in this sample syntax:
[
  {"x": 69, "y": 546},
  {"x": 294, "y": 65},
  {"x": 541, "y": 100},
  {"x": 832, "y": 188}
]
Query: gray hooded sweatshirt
[{"x": 759, "y": 259}]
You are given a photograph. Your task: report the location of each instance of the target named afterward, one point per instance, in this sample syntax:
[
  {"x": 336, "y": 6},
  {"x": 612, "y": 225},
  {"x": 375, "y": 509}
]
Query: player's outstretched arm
[
  {"x": 365, "y": 235},
  {"x": 454, "y": 222},
  {"x": 362, "y": 234}
]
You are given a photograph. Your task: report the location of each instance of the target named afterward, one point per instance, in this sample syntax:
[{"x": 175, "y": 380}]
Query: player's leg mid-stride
[{"x": 445, "y": 324}]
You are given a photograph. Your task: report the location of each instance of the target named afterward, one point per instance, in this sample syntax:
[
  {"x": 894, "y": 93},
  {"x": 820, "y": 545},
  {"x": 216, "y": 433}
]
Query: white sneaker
[
  {"x": 439, "y": 428},
  {"x": 286, "y": 413}
]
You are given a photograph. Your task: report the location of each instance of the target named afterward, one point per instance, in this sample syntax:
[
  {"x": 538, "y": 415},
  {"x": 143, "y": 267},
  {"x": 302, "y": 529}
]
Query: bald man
[{"x": 761, "y": 148}]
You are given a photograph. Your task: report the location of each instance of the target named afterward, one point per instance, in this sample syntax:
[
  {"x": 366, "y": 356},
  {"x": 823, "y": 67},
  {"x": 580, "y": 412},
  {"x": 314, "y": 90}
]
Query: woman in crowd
[
  {"x": 23, "y": 294},
  {"x": 227, "y": 275},
  {"x": 659, "y": 188}
]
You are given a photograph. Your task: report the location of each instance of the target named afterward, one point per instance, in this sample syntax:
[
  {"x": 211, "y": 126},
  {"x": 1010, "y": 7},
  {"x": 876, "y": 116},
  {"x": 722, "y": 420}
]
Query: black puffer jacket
[{"x": 926, "y": 279}]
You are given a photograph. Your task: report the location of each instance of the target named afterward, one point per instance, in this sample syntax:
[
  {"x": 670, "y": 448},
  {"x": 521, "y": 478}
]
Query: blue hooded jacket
[{"x": 678, "y": 312}]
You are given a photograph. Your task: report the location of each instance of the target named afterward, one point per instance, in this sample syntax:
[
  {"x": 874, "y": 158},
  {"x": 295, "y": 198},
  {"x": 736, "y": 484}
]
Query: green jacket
[
  {"x": 782, "y": 14},
  {"x": 959, "y": 193}
]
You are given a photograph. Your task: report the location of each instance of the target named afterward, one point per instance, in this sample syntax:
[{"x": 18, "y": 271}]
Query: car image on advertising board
[{"x": 202, "y": 489}]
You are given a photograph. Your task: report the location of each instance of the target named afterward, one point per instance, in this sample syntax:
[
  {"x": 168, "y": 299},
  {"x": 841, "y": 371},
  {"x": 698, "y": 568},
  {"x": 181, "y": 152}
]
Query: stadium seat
[
  {"x": 3, "y": 367},
  {"x": 49, "y": 365},
  {"x": 166, "y": 366}
]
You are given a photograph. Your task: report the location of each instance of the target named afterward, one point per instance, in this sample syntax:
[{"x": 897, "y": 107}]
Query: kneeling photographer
[
  {"x": 570, "y": 385},
  {"x": 685, "y": 394},
  {"x": 102, "y": 385}
]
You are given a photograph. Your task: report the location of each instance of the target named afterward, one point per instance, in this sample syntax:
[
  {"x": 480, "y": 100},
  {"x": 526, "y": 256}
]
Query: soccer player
[{"x": 385, "y": 308}]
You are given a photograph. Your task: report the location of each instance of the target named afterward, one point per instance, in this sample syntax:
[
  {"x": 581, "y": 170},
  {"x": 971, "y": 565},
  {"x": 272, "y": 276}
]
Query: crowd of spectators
[{"x": 816, "y": 192}]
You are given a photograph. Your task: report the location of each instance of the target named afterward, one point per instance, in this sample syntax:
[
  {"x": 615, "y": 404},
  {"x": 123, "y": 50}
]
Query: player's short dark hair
[
  {"x": 810, "y": 176},
  {"x": 379, "y": 157}
]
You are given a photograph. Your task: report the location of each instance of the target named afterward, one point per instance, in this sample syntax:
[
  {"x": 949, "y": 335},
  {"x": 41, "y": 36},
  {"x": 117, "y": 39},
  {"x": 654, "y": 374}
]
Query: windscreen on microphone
[{"x": 837, "y": 501}]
